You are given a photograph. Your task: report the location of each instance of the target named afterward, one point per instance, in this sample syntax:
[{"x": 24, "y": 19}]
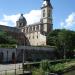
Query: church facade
[
  {"x": 36, "y": 33},
  {"x": 29, "y": 36}
]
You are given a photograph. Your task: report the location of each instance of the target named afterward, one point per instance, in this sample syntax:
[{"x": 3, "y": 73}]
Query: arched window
[
  {"x": 33, "y": 28},
  {"x": 1, "y": 57},
  {"x": 13, "y": 58}
]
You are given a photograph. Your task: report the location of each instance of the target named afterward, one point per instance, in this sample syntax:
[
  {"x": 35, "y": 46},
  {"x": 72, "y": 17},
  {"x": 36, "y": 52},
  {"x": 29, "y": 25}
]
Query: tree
[
  {"x": 3, "y": 37},
  {"x": 52, "y": 38},
  {"x": 6, "y": 39},
  {"x": 64, "y": 40}
]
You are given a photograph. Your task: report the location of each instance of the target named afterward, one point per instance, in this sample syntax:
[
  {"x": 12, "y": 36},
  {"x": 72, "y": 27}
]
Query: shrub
[
  {"x": 44, "y": 65},
  {"x": 57, "y": 67},
  {"x": 38, "y": 72}
]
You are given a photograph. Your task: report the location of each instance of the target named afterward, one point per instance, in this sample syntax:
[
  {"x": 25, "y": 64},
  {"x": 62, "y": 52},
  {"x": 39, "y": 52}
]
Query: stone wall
[
  {"x": 6, "y": 54},
  {"x": 31, "y": 53}
]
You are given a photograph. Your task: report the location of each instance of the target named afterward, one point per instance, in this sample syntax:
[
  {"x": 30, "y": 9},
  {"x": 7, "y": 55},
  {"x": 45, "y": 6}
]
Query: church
[
  {"x": 36, "y": 33},
  {"x": 30, "y": 38}
]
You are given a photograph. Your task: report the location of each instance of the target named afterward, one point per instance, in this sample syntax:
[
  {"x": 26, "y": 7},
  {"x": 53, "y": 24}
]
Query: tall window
[
  {"x": 13, "y": 58},
  {"x": 43, "y": 13},
  {"x": 37, "y": 27},
  {"x": 27, "y": 30},
  {"x": 37, "y": 35},
  {"x": 49, "y": 13},
  {"x": 33, "y": 35},
  {"x": 1, "y": 57},
  {"x": 33, "y": 28}
]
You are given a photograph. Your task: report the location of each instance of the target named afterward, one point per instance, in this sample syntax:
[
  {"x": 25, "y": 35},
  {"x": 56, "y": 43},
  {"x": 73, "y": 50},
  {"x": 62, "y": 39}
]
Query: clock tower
[{"x": 46, "y": 17}]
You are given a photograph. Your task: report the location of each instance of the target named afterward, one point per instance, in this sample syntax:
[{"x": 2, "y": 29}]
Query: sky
[{"x": 63, "y": 12}]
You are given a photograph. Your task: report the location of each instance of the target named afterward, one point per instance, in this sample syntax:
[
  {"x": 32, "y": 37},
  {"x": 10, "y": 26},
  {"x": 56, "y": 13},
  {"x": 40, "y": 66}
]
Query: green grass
[{"x": 46, "y": 66}]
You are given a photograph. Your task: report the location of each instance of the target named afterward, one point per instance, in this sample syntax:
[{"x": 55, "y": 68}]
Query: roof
[{"x": 22, "y": 18}]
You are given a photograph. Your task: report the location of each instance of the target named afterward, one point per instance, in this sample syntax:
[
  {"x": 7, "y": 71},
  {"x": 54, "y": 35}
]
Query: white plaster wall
[{"x": 41, "y": 40}]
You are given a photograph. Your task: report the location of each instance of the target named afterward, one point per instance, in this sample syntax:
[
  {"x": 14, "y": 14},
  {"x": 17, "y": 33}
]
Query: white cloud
[
  {"x": 3, "y": 23},
  {"x": 69, "y": 22},
  {"x": 31, "y": 17},
  {"x": 62, "y": 24},
  {"x": 9, "y": 20}
]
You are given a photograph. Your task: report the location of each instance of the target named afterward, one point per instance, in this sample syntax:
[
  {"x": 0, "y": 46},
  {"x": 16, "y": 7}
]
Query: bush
[
  {"x": 7, "y": 46},
  {"x": 57, "y": 68},
  {"x": 44, "y": 65},
  {"x": 38, "y": 72}
]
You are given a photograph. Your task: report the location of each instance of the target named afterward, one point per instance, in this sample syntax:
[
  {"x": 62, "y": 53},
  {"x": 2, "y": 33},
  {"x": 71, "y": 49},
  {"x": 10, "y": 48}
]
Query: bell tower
[{"x": 46, "y": 18}]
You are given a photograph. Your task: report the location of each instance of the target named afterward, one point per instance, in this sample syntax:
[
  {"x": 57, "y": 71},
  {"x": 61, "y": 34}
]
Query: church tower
[
  {"x": 46, "y": 16},
  {"x": 21, "y": 22}
]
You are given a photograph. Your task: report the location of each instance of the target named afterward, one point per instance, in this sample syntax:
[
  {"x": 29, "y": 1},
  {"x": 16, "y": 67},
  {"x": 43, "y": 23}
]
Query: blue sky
[{"x": 63, "y": 12}]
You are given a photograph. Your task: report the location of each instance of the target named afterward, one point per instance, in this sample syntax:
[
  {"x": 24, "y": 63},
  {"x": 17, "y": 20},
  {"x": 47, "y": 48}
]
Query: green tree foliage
[
  {"x": 66, "y": 39},
  {"x": 52, "y": 38},
  {"x": 62, "y": 39},
  {"x": 44, "y": 65},
  {"x": 6, "y": 39}
]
